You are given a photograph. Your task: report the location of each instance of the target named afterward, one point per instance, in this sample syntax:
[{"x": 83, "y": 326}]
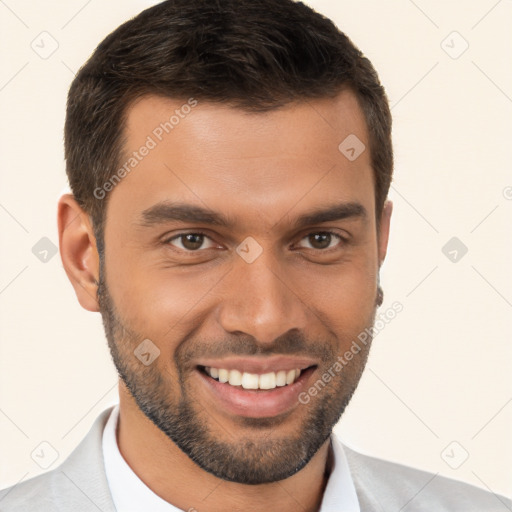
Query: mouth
[
  {"x": 255, "y": 395},
  {"x": 246, "y": 380}
]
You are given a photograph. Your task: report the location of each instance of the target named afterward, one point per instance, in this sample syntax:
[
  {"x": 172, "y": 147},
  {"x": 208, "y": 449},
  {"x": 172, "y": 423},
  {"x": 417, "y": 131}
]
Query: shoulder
[
  {"x": 388, "y": 485},
  {"x": 33, "y": 494},
  {"x": 78, "y": 484}
]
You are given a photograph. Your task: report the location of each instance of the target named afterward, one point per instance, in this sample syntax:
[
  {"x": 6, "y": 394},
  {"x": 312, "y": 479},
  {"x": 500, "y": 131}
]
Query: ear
[
  {"x": 78, "y": 251},
  {"x": 383, "y": 230}
]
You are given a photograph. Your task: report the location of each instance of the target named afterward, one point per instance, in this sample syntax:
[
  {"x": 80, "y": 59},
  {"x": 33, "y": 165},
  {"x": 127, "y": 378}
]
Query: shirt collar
[
  {"x": 340, "y": 493},
  {"x": 131, "y": 494}
]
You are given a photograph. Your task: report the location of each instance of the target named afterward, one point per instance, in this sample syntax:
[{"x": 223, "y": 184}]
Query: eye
[
  {"x": 322, "y": 240},
  {"x": 191, "y": 241}
]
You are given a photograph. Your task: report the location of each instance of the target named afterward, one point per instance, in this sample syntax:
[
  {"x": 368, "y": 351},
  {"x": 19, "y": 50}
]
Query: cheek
[
  {"x": 344, "y": 293},
  {"x": 342, "y": 299},
  {"x": 157, "y": 301}
]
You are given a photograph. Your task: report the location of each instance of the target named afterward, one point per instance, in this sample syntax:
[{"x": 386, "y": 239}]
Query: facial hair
[{"x": 269, "y": 456}]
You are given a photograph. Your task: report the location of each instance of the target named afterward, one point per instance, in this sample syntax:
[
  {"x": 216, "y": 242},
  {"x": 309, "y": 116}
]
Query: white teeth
[
  {"x": 235, "y": 378},
  {"x": 268, "y": 381},
  {"x": 290, "y": 376},
  {"x": 246, "y": 380},
  {"x": 250, "y": 380},
  {"x": 281, "y": 378}
]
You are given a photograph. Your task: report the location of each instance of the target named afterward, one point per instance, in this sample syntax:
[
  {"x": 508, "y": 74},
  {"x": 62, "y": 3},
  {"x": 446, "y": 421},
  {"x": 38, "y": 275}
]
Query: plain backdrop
[{"x": 437, "y": 391}]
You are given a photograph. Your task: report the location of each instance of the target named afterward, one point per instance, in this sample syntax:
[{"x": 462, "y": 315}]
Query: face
[{"x": 244, "y": 247}]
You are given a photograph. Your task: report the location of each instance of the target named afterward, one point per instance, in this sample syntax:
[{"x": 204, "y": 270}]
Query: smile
[
  {"x": 246, "y": 380},
  {"x": 255, "y": 395}
]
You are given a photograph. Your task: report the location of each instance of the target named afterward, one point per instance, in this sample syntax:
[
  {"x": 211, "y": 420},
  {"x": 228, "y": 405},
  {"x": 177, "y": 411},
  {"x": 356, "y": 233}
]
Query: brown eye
[
  {"x": 191, "y": 241},
  {"x": 322, "y": 240}
]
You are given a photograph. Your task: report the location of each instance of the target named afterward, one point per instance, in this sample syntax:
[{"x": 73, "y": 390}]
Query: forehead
[{"x": 241, "y": 163}]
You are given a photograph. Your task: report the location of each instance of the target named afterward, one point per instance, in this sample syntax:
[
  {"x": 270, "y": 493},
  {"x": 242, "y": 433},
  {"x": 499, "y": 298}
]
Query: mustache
[{"x": 291, "y": 343}]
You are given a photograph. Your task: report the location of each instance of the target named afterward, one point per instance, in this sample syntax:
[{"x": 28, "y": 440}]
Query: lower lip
[{"x": 253, "y": 403}]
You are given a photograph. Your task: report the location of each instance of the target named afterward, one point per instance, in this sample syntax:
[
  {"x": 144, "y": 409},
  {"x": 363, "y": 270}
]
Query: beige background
[{"x": 438, "y": 373}]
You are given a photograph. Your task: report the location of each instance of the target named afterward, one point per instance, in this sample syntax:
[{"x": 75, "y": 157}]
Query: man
[{"x": 229, "y": 164}]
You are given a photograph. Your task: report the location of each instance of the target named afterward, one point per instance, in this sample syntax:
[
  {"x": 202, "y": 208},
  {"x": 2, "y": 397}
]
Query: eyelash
[
  {"x": 342, "y": 239},
  {"x": 180, "y": 235}
]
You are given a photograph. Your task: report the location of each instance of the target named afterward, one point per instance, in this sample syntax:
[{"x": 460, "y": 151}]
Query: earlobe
[
  {"x": 78, "y": 251},
  {"x": 384, "y": 224}
]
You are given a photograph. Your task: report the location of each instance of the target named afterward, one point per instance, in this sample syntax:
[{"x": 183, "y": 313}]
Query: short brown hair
[{"x": 256, "y": 55}]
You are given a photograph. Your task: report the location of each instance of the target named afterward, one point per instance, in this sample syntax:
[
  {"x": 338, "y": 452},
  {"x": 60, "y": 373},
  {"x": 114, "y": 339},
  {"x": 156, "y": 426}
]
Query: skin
[{"x": 262, "y": 171}]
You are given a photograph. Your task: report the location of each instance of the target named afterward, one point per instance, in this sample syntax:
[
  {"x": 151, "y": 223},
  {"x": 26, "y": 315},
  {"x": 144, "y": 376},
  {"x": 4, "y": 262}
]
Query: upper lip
[{"x": 259, "y": 365}]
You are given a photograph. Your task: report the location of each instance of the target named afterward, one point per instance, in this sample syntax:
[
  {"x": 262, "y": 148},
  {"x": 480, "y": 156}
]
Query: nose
[{"x": 259, "y": 300}]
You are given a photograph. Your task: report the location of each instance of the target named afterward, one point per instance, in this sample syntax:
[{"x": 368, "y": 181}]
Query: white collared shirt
[{"x": 131, "y": 494}]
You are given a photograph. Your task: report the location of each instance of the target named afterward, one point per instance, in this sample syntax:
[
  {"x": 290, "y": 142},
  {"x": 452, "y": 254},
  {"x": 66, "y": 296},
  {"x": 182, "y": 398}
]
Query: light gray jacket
[{"x": 79, "y": 484}]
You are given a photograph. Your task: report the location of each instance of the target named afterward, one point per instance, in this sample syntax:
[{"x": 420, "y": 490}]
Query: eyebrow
[
  {"x": 331, "y": 213},
  {"x": 166, "y": 211}
]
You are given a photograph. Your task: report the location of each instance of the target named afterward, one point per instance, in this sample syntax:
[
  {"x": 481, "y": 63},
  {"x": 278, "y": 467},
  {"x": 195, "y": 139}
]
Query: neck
[{"x": 173, "y": 476}]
